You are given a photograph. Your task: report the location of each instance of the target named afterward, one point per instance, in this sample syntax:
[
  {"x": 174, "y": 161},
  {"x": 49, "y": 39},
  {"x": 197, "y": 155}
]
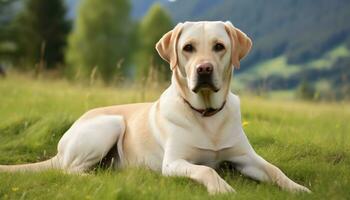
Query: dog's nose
[{"x": 205, "y": 69}]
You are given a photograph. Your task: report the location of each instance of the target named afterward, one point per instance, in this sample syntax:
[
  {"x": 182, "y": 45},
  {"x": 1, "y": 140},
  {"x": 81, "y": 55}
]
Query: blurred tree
[
  {"x": 305, "y": 91},
  {"x": 100, "y": 39},
  {"x": 153, "y": 26},
  {"x": 41, "y": 30}
]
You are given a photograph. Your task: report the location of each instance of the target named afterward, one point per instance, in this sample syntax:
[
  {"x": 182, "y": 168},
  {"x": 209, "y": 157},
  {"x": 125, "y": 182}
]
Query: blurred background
[{"x": 301, "y": 47}]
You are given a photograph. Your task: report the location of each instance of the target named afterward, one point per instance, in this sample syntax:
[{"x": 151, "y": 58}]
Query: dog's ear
[
  {"x": 166, "y": 46},
  {"x": 240, "y": 44}
]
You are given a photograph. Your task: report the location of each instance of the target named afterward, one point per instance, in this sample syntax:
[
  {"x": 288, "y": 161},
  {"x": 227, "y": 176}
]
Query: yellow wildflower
[{"x": 245, "y": 123}]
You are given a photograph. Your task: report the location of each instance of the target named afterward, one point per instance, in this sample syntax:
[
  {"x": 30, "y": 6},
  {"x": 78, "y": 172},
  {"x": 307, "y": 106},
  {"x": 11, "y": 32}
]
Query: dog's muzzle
[{"x": 205, "y": 78}]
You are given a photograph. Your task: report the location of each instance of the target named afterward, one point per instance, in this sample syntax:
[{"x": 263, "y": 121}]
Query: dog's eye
[
  {"x": 218, "y": 47},
  {"x": 188, "y": 48}
]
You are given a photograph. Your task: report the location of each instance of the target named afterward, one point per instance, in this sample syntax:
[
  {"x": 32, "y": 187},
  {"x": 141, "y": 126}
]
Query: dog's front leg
[
  {"x": 254, "y": 166},
  {"x": 251, "y": 164},
  {"x": 200, "y": 173}
]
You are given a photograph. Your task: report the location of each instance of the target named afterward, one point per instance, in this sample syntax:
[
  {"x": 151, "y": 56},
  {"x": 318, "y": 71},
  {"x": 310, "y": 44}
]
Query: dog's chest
[
  {"x": 207, "y": 143},
  {"x": 207, "y": 157},
  {"x": 212, "y": 135}
]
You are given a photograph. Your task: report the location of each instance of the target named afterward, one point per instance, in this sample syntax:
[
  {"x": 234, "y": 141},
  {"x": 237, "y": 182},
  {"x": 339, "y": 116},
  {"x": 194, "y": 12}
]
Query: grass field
[{"x": 309, "y": 142}]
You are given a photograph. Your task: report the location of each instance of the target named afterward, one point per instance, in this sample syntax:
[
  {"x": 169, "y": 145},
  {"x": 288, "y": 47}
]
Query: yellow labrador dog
[{"x": 195, "y": 124}]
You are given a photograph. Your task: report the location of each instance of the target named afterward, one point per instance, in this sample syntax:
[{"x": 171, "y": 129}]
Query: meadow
[{"x": 310, "y": 142}]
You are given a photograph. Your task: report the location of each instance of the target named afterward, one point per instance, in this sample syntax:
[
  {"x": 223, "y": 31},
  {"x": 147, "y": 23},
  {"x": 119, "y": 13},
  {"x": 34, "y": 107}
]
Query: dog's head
[{"x": 202, "y": 56}]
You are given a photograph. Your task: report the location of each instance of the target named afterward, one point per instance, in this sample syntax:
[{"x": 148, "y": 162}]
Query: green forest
[{"x": 102, "y": 43}]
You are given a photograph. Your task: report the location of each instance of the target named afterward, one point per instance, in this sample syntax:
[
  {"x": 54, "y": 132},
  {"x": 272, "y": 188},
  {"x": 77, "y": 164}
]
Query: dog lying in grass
[{"x": 188, "y": 131}]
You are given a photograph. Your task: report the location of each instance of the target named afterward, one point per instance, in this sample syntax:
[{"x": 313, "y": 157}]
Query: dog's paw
[
  {"x": 303, "y": 189},
  {"x": 219, "y": 187},
  {"x": 299, "y": 188}
]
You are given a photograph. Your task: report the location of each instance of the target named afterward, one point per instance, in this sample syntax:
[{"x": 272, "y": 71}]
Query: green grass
[{"x": 309, "y": 142}]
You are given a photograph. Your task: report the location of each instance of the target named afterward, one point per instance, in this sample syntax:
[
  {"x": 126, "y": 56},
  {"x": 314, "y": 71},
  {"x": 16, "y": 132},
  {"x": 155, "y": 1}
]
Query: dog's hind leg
[
  {"x": 84, "y": 145},
  {"x": 88, "y": 141}
]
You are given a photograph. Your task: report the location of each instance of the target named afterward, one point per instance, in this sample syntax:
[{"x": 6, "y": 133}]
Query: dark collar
[{"x": 206, "y": 112}]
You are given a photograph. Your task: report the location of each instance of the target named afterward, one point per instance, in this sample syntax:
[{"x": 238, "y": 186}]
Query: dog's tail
[{"x": 34, "y": 167}]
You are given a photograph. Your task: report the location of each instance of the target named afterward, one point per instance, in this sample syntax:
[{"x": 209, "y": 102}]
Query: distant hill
[
  {"x": 301, "y": 29},
  {"x": 294, "y": 41}
]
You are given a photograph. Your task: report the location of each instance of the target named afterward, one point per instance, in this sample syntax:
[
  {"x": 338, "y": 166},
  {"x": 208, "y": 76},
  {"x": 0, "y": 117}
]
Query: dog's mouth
[
  {"x": 205, "y": 82},
  {"x": 205, "y": 86}
]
